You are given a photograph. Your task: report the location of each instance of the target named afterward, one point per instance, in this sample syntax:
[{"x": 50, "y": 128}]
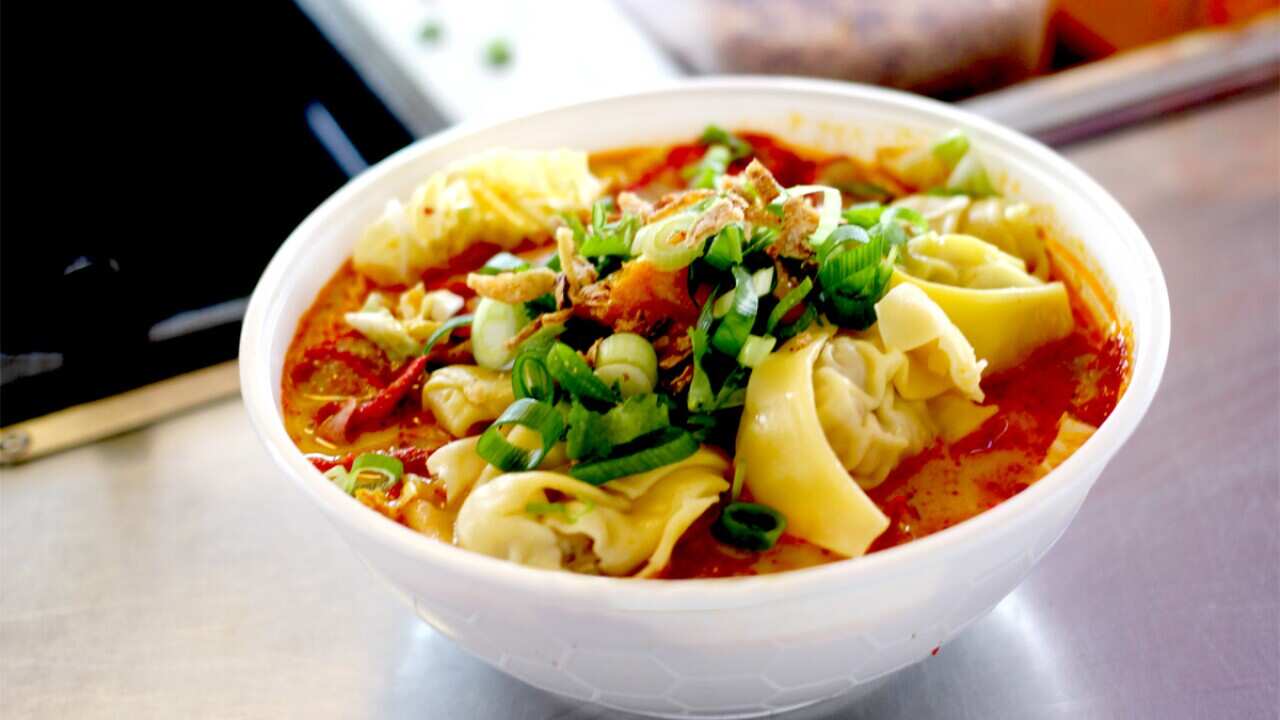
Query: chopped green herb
[
  {"x": 432, "y": 31},
  {"x": 750, "y": 526},
  {"x": 498, "y": 53},
  {"x": 716, "y": 135}
]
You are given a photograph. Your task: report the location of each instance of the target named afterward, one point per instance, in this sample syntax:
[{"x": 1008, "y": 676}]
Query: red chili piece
[
  {"x": 382, "y": 404},
  {"x": 413, "y": 458}
]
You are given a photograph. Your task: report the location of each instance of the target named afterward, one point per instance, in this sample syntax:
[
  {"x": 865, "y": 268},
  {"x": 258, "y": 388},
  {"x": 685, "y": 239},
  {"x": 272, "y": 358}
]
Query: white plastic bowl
[{"x": 734, "y": 647}]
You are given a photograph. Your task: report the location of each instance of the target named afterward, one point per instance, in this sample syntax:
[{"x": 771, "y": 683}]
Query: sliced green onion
[
  {"x": 750, "y": 526},
  {"x": 607, "y": 240},
  {"x": 600, "y": 210},
  {"x": 733, "y": 393},
  {"x": 503, "y": 262},
  {"x": 908, "y": 216},
  {"x": 495, "y": 323},
  {"x": 755, "y": 350},
  {"x": 713, "y": 164},
  {"x": 950, "y": 148},
  {"x": 540, "y": 342},
  {"x": 854, "y": 277},
  {"x": 390, "y": 469},
  {"x": 654, "y": 242},
  {"x": 628, "y": 349},
  {"x": 536, "y": 415},
  {"x": 888, "y": 232},
  {"x": 845, "y": 235},
  {"x": 761, "y": 238},
  {"x": 445, "y": 328},
  {"x": 342, "y": 479},
  {"x": 736, "y": 326},
  {"x": 715, "y": 134},
  {"x": 786, "y": 332},
  {"x": 671, "y": 446},
  {"x": 705, "y": 316},
  {"x": 791, "y": 299},
  {"x": 530, "y": 378},
  {"x": 575, "y": 375},
  {"x": 575, "y": 224},
  {"x": 863, "y": 189},
  {"x": 970, "y": 177},
  {"x": 701, "y": 396},
  {"x": 838, "y": 269},
  {"x": 864, "y": 215},
  {"x": 722, "y": 306},
  {"x": 828, "y": 214},
  {"x": 629, "y": 380},
  {"x": 726, "y": 248},
  {"x": 762, "y": 281}
]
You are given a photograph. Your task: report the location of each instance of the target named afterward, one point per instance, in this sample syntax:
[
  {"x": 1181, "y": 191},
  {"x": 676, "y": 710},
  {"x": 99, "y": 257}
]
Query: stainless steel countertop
[{"x": 170, "y": 572}]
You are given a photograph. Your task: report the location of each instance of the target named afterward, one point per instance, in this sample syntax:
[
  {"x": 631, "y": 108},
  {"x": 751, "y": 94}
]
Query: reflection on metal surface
[
  {"x": 13, "y": 367},
  {"x": 192, "y": 321},
  {"x": 1140, "y": 84}
]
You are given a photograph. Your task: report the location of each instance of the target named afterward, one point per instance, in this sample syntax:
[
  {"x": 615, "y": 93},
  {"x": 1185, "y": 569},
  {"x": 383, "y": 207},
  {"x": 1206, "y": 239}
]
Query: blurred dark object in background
[
  {"x": 938, "y": 47},
  {"x": 153, "y": 160},
  {"x": 950, "y": 49},
  {"x": 1093, "y": 29}
]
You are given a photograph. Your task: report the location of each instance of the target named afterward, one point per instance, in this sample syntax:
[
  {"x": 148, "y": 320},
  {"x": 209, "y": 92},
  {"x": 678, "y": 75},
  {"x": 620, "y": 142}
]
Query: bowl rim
[{"x": 258, "y": 393}]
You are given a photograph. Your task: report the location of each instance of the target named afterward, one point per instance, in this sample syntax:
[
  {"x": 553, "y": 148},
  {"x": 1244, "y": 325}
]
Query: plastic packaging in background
[{"x": 949, "y": 48}]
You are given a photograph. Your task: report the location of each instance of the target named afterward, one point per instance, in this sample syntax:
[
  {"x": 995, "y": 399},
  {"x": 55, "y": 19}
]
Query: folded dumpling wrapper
[
  {"x": 790, "y": 466},
  {"x": 1004, "y": 325},
  {"x": 633, "y": 522}
]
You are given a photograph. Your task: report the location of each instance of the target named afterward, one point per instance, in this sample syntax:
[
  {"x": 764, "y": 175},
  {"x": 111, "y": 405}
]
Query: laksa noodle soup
[{"x": 728, "y": 357}]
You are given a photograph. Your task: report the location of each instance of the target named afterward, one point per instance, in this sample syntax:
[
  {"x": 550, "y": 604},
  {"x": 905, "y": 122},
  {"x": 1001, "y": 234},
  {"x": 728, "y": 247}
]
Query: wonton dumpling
[
  {"x": 1003, "y": 325},
  {"x": 461, "y": 468},
  {"x": 458, "y": 466},
  {"x": 462, "y": 395},
  {"x": 501, "y": 197},
  {"x": 504, "y": 516},
  {"x": 494, "y": 520},
  {"x": 1010, "y": 226},
  {"x": 780, "y": 425},
  {"x": 940, "y": 357},
  {"x": 868, "y": 425},
  {"x": 964, "y": 261}
]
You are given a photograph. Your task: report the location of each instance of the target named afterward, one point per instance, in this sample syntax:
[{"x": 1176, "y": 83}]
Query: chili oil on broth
[{"x": 1083, "y": 374}]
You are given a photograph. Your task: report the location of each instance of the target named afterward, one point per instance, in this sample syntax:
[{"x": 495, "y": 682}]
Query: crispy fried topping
[
  {"x": 672, "y": 203},
  {"x": 513, "y": 287},
  {"x": 558, "y": 317},
  {"x": 799, "y": 220},
  {"x": 633, "y": 204},
  {"x": 762, "y": 181},
  {"x": 722, "y": 212},
  {"x": 578, "y": 271}
]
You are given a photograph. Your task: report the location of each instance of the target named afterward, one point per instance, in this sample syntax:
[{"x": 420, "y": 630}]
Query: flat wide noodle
[
  {"x": 789, "y": 464},
  {"x": 1004, "y": 325}
]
